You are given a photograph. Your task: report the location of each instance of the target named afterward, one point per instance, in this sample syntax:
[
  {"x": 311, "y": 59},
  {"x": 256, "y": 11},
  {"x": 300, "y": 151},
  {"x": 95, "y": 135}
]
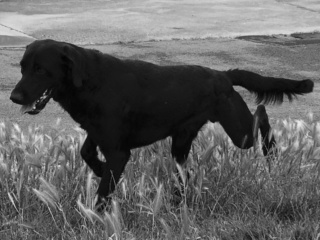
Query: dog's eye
[{"x": 39, "y": 70}]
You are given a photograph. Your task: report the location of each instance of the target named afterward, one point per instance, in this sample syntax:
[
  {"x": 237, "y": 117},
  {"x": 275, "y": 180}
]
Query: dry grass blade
[
  {"x": 185, "y": 221},
  {"x": 158, "y": 200},
  {"x": 117, "y": 218},
  {"x": 113, "y": 227},
  {"x": 26, "y": 225},
  {"x": 16, "y": 127},
  {"x": 166, "y": 228},
  {"x": 181, "y": 173},
  {"x": 3, "y": 168},
  {"x": 12, "y": 201},
  {"x": 45, "y": 197},
  {"x": 48, "y": 193},
  {"x": 89, "y": 198},
  {"x": 141, "y": 189},
  {"x": 88, "y": 213},
  {"x": 48, "y": 187}
]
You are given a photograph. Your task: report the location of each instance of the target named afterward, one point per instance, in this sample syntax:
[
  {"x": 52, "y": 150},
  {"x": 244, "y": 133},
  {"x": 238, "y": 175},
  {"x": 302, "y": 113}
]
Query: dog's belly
[{"x": 147, "y": 136}]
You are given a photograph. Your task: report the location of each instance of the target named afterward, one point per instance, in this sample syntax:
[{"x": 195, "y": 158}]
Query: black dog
[{"x": 125, "y": 104}]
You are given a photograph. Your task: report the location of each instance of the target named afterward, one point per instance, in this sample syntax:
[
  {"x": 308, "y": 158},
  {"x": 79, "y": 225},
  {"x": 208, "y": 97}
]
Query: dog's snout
[{"x": 17, "y": 97}]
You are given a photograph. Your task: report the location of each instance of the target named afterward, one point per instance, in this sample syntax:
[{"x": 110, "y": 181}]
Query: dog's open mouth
[{"x": 38, "y": 105}]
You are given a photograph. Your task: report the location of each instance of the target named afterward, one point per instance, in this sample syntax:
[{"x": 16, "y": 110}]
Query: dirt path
[{"x": 101, "y": 22}]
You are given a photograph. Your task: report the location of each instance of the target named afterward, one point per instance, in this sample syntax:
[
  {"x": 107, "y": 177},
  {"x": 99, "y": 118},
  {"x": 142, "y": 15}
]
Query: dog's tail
[{"x": 269, "y": 89}]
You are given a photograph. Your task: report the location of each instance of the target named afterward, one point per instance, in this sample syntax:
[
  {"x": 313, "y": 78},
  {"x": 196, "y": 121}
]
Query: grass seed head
[{"x": 47, "y": 193}]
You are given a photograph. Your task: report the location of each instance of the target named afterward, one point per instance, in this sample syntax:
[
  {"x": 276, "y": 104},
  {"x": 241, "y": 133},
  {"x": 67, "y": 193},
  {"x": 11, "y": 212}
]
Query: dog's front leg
[
  {"x": 90, "y": 154},
  {"x": 112, "y": 170}
]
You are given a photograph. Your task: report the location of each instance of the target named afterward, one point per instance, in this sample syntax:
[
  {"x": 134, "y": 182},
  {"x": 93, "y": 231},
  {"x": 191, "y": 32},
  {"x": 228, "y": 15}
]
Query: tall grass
[{"x": 47, "y": 191}]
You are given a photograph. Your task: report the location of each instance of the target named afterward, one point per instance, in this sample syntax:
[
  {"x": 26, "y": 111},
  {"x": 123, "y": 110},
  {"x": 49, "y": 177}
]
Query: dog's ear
[{"x": 75, "y": 63}]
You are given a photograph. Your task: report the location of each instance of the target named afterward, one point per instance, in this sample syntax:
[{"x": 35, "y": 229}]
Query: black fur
[
  {"x": 125, "y": 104},
  {"x": 269, "y": 89}
]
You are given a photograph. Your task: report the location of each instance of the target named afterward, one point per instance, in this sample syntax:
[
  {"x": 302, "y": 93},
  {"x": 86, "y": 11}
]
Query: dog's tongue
[{"x": 26, "y": 108}]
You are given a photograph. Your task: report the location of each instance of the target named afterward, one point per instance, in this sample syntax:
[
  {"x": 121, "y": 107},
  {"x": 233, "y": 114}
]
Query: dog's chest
[{"x": 83, "y": 112}]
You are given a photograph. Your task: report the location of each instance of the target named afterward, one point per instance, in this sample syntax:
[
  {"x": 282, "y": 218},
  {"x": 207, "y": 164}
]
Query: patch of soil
[{"x": 286, "y": 40}]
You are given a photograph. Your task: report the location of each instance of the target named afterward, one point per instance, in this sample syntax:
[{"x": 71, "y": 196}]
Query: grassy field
[{"x": 47, "y": 192}]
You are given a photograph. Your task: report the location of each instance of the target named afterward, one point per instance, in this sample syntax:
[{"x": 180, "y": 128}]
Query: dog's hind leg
[
  {"x": 238, "y": 122},
  {"x": 90, "y": 154},
  {"x": 261, "y": 121},
  {"x": 236, "y": 119}
]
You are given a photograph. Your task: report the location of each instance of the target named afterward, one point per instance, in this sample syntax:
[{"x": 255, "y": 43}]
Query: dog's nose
[{"x": 17, "y": 97}]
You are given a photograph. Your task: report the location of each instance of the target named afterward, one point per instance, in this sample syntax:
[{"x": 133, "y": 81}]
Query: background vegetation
[{"x": 47, "y": 192}]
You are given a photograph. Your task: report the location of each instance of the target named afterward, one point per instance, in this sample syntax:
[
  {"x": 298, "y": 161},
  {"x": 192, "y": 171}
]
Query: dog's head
[{"x": 48, "y": 69}]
